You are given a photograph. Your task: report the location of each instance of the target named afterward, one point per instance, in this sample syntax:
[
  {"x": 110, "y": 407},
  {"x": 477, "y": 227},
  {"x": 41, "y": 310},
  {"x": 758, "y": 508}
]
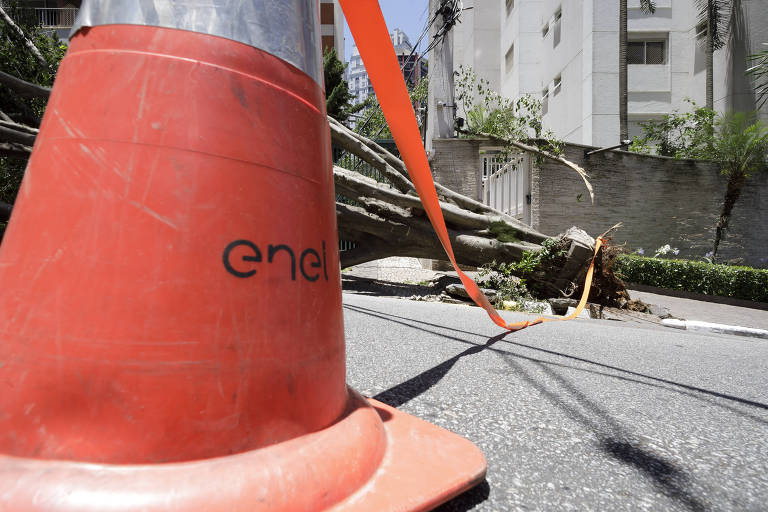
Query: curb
[{"x": 696, "y": 325}]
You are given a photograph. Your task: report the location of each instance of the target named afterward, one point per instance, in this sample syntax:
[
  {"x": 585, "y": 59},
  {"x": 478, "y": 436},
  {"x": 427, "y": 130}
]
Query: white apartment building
[
  {"x": 332, "y": 27},
  {"x": 567, "y": 52},
  {"x": 413, "y": 66}
]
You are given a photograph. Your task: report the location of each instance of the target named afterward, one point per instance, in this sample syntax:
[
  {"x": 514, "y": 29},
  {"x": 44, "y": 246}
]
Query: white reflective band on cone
[{"x": 287, "y": 29}]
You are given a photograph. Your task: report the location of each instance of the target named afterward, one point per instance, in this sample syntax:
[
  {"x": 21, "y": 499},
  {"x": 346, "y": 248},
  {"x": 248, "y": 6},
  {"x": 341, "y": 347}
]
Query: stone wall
[
  {"x": 456, "y": 165},
  {"x": 659, "y": 201}
]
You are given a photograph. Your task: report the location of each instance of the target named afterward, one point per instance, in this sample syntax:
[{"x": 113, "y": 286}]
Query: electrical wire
[
  {"x": 413, "y": 49},
  {"x": 451, "y": 11}
]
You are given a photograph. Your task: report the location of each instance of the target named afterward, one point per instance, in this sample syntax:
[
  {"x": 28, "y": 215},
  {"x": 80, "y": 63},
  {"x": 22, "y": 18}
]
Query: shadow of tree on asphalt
[
  {"x": 695, "y": 392},
  {"x": 378, "y": 287},
  {"x": 406, "y": 391},
  {"x": 612, "y": 438}
]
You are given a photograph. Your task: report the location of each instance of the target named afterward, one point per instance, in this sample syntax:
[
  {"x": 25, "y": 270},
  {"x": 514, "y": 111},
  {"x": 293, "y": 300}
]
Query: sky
[{"x": 410, "y": 16}]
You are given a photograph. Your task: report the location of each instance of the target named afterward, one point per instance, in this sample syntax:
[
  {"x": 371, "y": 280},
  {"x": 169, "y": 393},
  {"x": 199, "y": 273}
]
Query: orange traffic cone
[{"x": 171, "y": 305}]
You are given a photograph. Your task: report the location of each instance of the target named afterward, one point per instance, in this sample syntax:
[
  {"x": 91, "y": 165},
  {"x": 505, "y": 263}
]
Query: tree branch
[
  {"x": 12, "y": 135},
  {"x": 15, "y": 150},
  {"x": 5, "y": 211},
  {"x": 27, "y": 42},
  {"x": 546, "y": 154},
  {"x": 344, "y": 138},
  {"x": 355, "y": 186},
  {"x": 23, "y": 88}
]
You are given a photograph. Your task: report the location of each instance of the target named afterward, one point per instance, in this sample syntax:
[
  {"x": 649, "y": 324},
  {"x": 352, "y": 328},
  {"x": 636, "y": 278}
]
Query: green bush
[{"x": 695, "y": 276}]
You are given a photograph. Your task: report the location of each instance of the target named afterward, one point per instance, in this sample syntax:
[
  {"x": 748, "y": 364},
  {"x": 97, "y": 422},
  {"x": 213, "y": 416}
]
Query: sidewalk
[
  {"x": 689, "y": 309},
  {"x": 408, "y": 271}
]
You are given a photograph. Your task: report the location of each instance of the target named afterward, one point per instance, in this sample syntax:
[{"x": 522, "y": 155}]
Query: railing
[
  {"x": 54, "y": 17},
  {"x": 505, "y": 189},
  {"x": 354, "y": 163}
]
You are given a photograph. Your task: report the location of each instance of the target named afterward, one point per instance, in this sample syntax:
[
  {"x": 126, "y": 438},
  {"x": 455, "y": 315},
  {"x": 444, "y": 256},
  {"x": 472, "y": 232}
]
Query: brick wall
[
  {"x": 659, "y": 200},
  {"x": 456, "y": 164}
]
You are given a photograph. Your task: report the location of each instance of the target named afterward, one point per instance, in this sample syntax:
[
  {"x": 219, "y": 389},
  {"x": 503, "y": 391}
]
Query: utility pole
[{"x": 441, "y": 108}]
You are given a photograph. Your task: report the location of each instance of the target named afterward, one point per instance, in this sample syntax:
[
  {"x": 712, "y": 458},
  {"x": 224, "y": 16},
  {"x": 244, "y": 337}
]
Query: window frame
[
  {"x": 509, "y": 59},
  {"x": 664, "y": 51},
  {"x": 557, "y": 84}
]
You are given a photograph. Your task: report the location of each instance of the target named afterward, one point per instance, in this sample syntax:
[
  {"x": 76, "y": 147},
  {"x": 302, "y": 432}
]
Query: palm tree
[
  {"x": 713, "y": 16},
  {"x": 648, "y": 6},
  {"x": 740, "y": 146},
  {"x": 759, "y": 70}
]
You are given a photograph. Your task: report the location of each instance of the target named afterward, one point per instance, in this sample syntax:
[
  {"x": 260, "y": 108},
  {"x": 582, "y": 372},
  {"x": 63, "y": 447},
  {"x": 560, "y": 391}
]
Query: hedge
[{"x": 695, "y": 276}]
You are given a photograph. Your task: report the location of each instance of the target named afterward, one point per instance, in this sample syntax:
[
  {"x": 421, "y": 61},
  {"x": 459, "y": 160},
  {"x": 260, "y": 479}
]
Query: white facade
[
  {"x": 332, "y": 26},
  {"x": 566, "y": 52},
  {"x": 357, "y": 77}
]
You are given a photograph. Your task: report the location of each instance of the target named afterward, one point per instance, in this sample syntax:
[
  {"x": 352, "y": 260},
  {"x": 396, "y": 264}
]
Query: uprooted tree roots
[{"x": 386, "y": 218}]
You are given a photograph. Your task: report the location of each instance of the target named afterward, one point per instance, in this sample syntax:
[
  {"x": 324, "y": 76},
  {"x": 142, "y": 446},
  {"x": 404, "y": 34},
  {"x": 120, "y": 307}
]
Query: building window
[
  {"x": 545, "y": 30},
  {"x": 326, "y": 14},
  {"x": 556, "y": 84},
  {"x": 510, "y": 6},
  {"x": 509, "y": 58},
  {"x": 646, "y": 52},
  {"x": 545, "y": 100},
  {"x": 556, "y": 27}
]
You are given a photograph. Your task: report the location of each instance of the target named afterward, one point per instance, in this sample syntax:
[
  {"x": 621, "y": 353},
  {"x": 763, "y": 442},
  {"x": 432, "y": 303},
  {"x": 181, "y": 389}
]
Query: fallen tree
[{"x": 386, "y": 218}]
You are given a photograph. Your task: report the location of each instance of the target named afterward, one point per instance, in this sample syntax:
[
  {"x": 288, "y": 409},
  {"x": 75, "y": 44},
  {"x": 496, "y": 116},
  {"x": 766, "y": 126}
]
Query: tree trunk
[
  {"x": 623, "y": 123},
  {"x": 388, "y": 219},
  {"x": 709, "y": 52},
  {"x": 32, "y": 48},
  {"x": 23, "y": 88},
  {"x": 732, "y": 192}
]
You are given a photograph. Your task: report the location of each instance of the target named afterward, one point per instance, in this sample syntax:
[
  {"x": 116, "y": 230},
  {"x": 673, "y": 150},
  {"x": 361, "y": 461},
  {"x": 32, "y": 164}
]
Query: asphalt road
[{"x": 578, "y": 415}]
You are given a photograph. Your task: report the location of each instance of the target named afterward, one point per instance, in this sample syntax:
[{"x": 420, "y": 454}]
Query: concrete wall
[
  {"x": 456, "y": 165},
  {"x": 659, "y": 200}
]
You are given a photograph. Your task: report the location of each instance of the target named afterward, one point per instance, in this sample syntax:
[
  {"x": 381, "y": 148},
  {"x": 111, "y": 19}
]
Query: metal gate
[{"x": 506, "y": 183}]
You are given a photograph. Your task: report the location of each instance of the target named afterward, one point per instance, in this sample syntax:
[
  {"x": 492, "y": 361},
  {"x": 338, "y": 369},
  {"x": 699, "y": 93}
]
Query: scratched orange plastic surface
[
  {"x": 124, "y": 333},
  {"x": 170, "y": 311}
]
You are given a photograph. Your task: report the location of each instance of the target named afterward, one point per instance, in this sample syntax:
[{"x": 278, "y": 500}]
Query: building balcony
[{"x": 56, "y": 18}]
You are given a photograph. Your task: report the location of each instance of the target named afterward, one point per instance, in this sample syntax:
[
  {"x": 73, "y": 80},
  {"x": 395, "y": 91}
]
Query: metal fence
[
  {"x": 506, "y": 185},
  {"x": 50, "y": 17},
  {"x": 352, "y": 162}
]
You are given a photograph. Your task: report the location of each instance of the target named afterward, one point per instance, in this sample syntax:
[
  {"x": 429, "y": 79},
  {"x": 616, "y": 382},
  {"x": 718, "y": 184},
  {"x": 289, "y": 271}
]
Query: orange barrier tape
[{"x": 369, "y": 30}]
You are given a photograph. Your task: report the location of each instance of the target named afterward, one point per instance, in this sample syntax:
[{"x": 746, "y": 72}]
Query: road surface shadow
[
  {"x": 643, "y": 379},
  {"x": 380, "y": 288},
  {"x": 613, "y": 439},
  {"x": 467, "y": 500},
  {"x": 406, "y": 391}
]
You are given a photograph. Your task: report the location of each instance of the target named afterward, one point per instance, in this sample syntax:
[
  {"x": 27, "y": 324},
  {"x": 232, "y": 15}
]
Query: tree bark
[
  {"x": 389, "y": 220},
  {"x": 15, "y": 150},
  {"x": 23, "y": 88},
  {"x": 32, "y": 48},
  {"x": 5, "y": 211},
  {"x": 623, "y": 123},
  {"x": 710, "y": 51},
  {"x": 732, "y": 192}
]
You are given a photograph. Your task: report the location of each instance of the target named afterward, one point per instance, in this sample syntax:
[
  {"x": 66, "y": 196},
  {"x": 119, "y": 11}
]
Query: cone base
[{"x": 373, "y": 458}]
